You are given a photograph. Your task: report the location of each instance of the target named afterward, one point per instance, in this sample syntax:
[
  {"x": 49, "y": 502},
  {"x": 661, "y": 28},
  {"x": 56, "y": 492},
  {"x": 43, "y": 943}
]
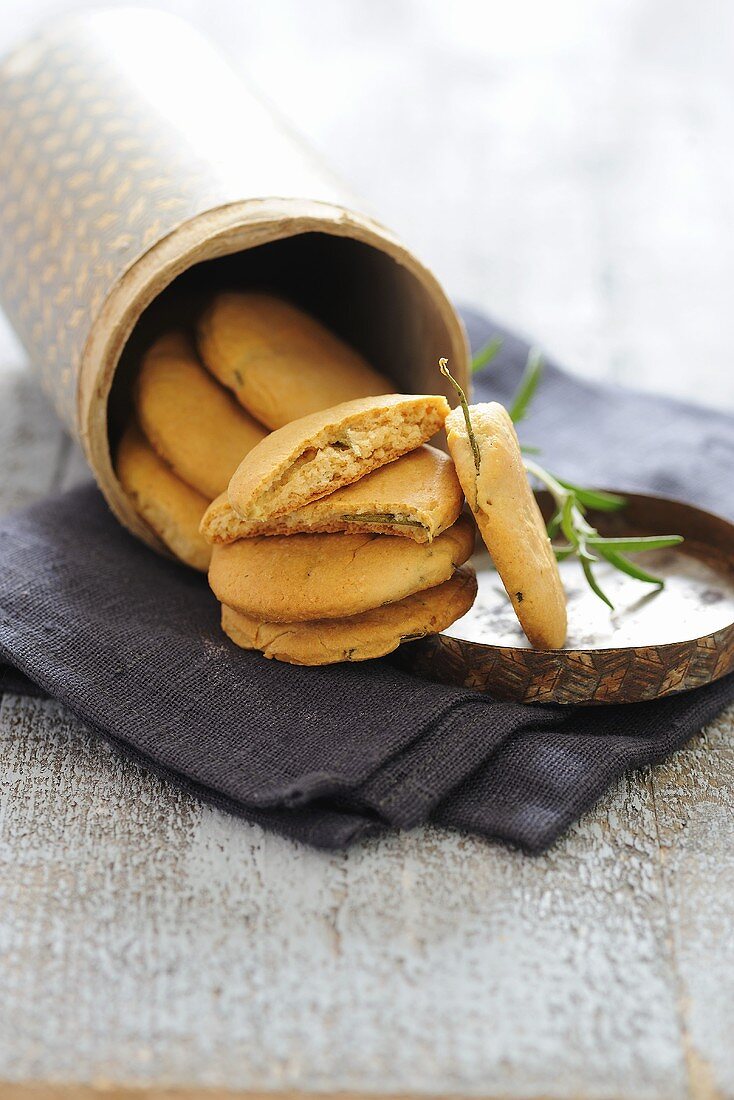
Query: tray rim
[{"x": 719, "y": 644}]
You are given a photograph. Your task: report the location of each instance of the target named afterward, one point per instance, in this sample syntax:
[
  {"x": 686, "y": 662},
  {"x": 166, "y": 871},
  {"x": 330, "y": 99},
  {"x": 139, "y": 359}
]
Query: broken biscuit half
[
  {"x": 357, "y": 637},
  {"x": 417, "y": 497},
  {"x": 323, "y": 452}
]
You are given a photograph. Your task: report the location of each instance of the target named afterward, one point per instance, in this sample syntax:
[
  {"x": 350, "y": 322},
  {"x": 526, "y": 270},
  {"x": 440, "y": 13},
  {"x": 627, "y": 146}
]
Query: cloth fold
[{"x": 131, "y": 643}]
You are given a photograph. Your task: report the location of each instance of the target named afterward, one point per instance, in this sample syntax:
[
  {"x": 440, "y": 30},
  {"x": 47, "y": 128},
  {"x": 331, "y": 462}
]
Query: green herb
[
  {"x": 382, "y": 517},
  {"x": 528, "y": 385},
  {"x": 486, "y": 354},
  {"x": 571, "y": 501},
  {"x": 584, "y": 541},
  {"x": 443, "y": 366},
  {"x": 595, "y": 498}
]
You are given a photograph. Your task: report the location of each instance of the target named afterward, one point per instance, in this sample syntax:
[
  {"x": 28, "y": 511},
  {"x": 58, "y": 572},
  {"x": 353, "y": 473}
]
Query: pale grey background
[{"x": 567, "y": 166}]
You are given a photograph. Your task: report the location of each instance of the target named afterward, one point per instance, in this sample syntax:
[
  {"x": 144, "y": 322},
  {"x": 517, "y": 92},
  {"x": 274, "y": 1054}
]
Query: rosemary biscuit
[
  {"x": 359, "y": 637},
  {"x": 323, "y": 452},
  {"x": 168, "y": 505},
  {"x": 192, "y": 422},
  {"x": 509, "y": 520},
  {"x": 417, "y": 497},
  {"x": 280, "y": 362},
  {"x": 302, "y": 577}
]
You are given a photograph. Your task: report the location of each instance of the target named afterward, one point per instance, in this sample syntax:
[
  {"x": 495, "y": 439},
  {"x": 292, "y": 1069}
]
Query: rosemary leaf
[
  {"x": 635, "y": 545},
  {"x": 382, "y": 517},
  {"x": 528, "y": 385},
  {"x": 593, "y": 584},
  {"x": 486, "y": 354},
  {"x": 597, "y": 499},
  {"x": 619, "y": 561}
]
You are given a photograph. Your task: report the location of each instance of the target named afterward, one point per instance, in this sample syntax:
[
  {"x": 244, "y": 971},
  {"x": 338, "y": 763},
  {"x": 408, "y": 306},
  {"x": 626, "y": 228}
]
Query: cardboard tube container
[{"x": 139, "y": 175}]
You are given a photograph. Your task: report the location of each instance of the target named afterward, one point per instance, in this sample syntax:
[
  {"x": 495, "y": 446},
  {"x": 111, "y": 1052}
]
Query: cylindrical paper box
[{"x": 138, "y": 174}]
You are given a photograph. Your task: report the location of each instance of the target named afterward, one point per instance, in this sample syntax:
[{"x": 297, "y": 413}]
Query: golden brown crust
[
  {"x": 171, "y": 507},
  {"x": 509, "y": 521},
  {"x": 323, "y": 452},
  {"x": 302, "y": 577},
  {"x": 191, "y": 421},
  {"x": 280, "y": 362},
  {"x": 420, "y": 489},
  {"x": 359, "y": 637}
]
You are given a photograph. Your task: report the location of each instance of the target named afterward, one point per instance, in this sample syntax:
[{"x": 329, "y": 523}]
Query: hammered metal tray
[{"x": 653, "y": 644}]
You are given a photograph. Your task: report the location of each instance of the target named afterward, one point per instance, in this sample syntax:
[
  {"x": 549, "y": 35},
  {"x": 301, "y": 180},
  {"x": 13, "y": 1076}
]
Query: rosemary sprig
[
  {"x": 585, "y": 542},
  {"x": 443, "y": 366},
  {"x": 571, "y": 501}
]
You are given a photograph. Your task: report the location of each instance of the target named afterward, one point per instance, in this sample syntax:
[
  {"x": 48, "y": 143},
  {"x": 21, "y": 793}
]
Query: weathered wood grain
[
  {"x": 694, "y": 802},
  {"x": 31, "y": 442},
  {"x": 177, "y": 945}
]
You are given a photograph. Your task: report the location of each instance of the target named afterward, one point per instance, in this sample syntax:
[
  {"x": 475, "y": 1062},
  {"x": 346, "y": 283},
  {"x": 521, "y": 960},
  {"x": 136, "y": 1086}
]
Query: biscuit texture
[
  {"x": 418, "y": 497},
  {"x": 191, "y": 421},
  {"x": 359, "y": 637},
  {"x": 323, "y": 452},
  {"x": 280, "y": 362},
  {"x": 171, "y": 507},
  {"x": 300, "y": 577},
  {"x": 510, "y": 521}
]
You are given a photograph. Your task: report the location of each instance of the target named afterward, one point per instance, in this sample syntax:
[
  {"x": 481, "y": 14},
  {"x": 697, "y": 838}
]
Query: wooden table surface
[{"x": 567, "y": 166}]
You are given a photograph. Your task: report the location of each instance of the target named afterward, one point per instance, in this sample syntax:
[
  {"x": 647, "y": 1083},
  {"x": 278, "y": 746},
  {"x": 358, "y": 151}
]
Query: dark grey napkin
[{"x": 131, "y": 643}]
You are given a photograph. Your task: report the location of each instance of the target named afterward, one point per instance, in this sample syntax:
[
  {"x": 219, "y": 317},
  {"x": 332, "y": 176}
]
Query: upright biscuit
[
  {"x": 302, "y": 577},
  {"x": 509, "y": 520},
  {"x": 360, "y": 637},
  {"x": 171, "y": 507},
  {"x": 323, "y": 452},
  {"x": 418, "y": 497},
  {"x": 191, "y": 421},
  {"x": 279, "y": 361}
]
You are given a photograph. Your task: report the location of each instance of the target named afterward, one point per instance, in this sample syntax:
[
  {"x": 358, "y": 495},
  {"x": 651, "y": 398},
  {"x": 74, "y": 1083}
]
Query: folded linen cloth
[{"x": 131, "y": 643}]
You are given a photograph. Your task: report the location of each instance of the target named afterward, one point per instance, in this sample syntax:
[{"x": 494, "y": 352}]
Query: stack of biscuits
[{"x": 271, "y": 453}]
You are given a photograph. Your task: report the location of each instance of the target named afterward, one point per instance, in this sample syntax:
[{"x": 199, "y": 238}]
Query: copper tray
[{"x": 655, "y": 643}]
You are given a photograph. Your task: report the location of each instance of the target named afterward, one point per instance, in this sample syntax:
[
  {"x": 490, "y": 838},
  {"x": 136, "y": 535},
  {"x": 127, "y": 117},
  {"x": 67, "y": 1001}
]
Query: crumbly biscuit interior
[
  {"x": 337, "y": 459},
  {"x": 226, "y": 525}
]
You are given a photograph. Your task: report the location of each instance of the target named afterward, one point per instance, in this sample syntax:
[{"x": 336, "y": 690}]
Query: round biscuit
[
  {"x": 191, "y": 421},
  {"x": 168, "y": 505},
  {"x": 294, "y": 578},
  {"x": 510, "y": 521},
  {"x": 359, "y": 637}
]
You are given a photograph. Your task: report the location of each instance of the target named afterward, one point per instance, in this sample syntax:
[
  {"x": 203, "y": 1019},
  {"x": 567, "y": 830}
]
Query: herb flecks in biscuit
[
  {"x": 191, "y": 421},
  {"x": 168, "y": 505},
  {"x": 303, "y": 577},
  {"x": 281, "y": 362},
  {"x": 418, "y": 497},
  {"x": 323, "y": 452},
  {"x": 358, "y": 637}
]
